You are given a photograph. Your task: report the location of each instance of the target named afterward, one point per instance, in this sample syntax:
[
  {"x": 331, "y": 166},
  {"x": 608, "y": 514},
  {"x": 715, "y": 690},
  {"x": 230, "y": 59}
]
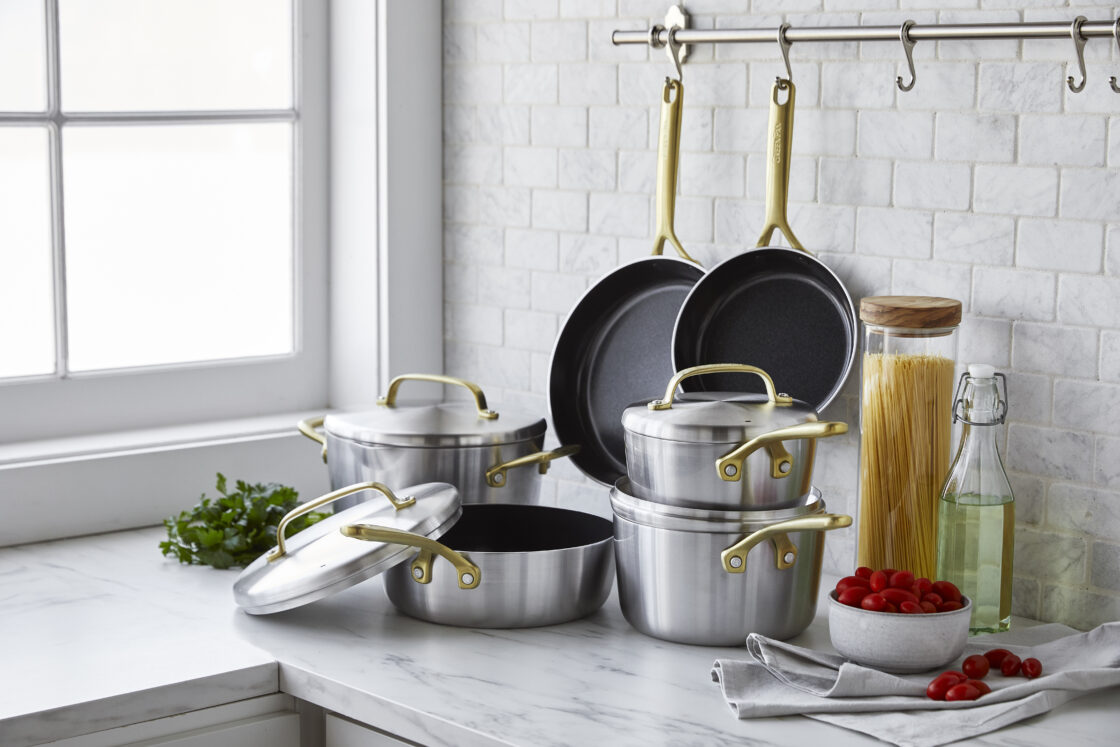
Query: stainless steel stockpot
[
  {"x": 486, "y": 456},
  {"x": 710, "y": 577},
  {"x": 723, "y": 450},
  {"x": 513, "y": 566}
]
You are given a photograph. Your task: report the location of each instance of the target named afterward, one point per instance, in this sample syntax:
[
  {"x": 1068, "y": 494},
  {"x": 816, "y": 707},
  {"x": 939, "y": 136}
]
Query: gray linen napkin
[{"x": 781, "y": 679}]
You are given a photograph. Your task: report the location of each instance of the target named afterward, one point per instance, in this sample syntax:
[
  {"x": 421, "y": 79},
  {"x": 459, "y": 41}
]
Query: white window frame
[{"x": 382, "y": 316}]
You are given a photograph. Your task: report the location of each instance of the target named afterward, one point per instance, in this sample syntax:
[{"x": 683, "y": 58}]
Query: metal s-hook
[
  {"x": 1115, "y": 33},
  {"x": 1079, "y": 46},
  {"x": 784, "y": 44},
  {"x": 675, "y": 52},
  {"x": 908, "y": 48}
]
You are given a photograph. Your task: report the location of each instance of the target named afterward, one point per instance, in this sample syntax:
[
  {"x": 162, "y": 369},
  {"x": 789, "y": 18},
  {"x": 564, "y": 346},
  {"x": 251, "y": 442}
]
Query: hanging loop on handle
[
  {"x": 1079, "y": 48},
  {"x": 908, "y": 48}
]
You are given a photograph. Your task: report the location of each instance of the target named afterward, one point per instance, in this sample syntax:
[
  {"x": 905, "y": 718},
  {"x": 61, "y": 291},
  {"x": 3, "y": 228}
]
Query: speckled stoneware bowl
[{"x": 897, "y": 642}]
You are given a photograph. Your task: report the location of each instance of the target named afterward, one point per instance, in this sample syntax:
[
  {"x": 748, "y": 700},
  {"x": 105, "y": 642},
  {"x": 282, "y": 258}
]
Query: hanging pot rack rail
[{"x": 676, "y": 35}]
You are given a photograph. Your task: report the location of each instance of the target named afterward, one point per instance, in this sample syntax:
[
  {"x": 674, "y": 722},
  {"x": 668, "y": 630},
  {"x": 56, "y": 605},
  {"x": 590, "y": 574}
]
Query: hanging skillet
[
  {"x": 778, "y": 308},
  {"x": 614, "y": 349}
]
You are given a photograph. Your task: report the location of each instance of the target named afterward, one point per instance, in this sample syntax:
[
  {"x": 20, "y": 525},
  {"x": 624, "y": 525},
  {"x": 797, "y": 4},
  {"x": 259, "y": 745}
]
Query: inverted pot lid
[
  {"x": 321, "y": 561},
  {"x": 715, "y": 417}
]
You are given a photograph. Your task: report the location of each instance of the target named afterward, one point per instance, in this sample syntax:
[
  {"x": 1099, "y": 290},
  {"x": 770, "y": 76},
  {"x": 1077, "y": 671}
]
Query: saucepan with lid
[
  {"x": 489, "y": 457},
  {"x": 711, "y": 577},
  {"x": 723, "y": 450},
  {"x": 511, "y": 566}
]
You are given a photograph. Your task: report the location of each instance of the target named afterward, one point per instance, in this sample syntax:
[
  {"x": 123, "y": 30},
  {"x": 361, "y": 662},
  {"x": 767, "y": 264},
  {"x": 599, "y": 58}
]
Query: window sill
[{"x": 113, "y": 481}]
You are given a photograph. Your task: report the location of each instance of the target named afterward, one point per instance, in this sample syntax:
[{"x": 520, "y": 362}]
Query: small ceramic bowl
[{"x": 895, "y": 641}]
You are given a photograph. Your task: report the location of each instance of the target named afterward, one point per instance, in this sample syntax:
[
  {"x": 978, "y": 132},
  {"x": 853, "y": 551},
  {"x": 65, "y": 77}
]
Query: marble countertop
[{"x": 102, "y": 631}]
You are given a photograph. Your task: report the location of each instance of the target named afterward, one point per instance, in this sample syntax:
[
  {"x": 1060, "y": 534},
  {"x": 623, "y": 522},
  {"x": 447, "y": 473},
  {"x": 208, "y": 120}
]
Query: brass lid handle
[
  {"x": 730, "y": 466},
  {"x": 390, "y": 398},
  {"x": 496, "y": 475},
  {"x": 666, "y": 402},
  {"x": 398, "y": 503}
]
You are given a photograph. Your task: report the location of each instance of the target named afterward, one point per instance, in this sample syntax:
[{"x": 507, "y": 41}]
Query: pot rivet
[
  {"x": 735, "y": 562},
  {"x": 789, "y": 557},
  {"x": 499, "y": 477},
  {"x": 730, "y": 470},
  {"x": 418, "y": 572},
  {"x": 784, "y": 467},
  {"x": 468, "y": 579}
]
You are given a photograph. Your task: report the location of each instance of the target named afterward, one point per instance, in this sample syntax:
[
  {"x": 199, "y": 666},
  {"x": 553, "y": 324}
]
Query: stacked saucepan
[
  {"x": 448, "y": 478},
  {"x": 718, "y": 530}
]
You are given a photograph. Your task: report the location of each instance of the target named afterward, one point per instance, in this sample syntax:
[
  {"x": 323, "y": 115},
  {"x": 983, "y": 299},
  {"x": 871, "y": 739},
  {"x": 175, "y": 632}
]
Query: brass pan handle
[
  {"x": 398, "y": 503},
  {"x": 730, "y": 465},
  {"x": 496, "y": 475},
  {"x": 469, "y": 573},
  {"x": 309, "y": 427},
  {"x": 668, "y": 159},
  {"x": 390, "y": 398},
  {"x": 666, "y": 401},
  {"x": 734, "y": 558},
  {"x": 778, "y": 152}
]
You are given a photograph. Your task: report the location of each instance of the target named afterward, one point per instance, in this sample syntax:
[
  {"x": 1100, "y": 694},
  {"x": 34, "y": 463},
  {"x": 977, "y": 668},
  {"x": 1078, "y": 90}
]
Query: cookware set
[{"x": 716, "y": 529}]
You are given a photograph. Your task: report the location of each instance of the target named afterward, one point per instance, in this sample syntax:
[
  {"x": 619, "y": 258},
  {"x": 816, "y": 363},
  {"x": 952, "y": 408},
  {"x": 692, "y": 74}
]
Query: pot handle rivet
[{"x": 735, "y": 562}]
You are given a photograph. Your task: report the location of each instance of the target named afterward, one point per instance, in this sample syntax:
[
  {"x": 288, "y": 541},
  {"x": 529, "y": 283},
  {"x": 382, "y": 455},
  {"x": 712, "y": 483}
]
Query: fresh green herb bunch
[{"x": 235, "y": 528}]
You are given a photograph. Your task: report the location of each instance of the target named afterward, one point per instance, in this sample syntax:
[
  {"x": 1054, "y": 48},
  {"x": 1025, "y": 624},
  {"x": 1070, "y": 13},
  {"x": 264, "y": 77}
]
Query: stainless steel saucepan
[
  {"x": 712, "y": 577},
  {"x": 513, "y": 566},
  {"x": 487, "y": 456},
  {"x": 723, "y": 450}
]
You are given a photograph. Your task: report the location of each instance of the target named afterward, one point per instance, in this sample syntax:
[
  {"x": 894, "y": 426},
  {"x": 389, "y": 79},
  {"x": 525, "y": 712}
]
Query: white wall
[{"x": 989, "y": 182}]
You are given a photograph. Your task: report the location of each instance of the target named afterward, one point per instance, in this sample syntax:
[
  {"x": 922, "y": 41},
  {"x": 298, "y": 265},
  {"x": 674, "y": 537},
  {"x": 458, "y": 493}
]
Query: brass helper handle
[
  {"x": 778, "y": 151},
  {"x": 496, "y": 475},
  {"x": 390, "y": 397},
  {"x": 469, "y": 573},
  {"x": 734, "y": 558},
  {"x": 666, "y": 401},
  {"x": 668, "y": 159},
  {"x": 309, "y": 428},
  {"x": 730, "y": 465},
  {"x": 279, "y": 551}
]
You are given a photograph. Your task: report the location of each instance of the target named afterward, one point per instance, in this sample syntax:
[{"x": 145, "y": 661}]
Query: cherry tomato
[
  {"x": 910, "y": 608},
  {"x": 927, "y": 607},
  {"x": 995, "y": 656},
  {"x": 1010, "y": 665},
  {"x": 948, "y": 591},
  {"x": 958, "y": 676},
  {"x": 902, "y": 579},
  {"x": 962, "y": 691},
  {"x": 889, "y": 571},
  {"x": 878, "y": 581},
  {"x": 891, "y": 607},
  {"x": 874, "y": 602},
  {"x": 949, "y": 606},
  {"x": 922, "y": 586},
  {"x": 864, "y": 572},
  {"x": 979, "y": 685},
  {"x": 1031, "y": 668},
  {"x": 933, "y": 598},
  {"x": 853, "y": 595},
  {"x": 975, "y": 666},
  {"x": 849, "y": 581},
  {"x": 940, "y": 685},
  {"x": 898, "y": 596}
]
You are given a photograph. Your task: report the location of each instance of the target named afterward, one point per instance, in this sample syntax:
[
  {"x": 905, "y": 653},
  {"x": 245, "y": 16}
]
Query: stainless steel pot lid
[
  {"x": 433, "y": 424},
  {"x": 715, "y": 417},
  {"x": 320, "y": 560},
  {"x": 664, "y": 516}
]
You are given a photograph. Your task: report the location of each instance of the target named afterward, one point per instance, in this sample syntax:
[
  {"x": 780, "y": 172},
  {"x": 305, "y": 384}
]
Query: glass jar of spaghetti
[{"x": 906, "y": 410}]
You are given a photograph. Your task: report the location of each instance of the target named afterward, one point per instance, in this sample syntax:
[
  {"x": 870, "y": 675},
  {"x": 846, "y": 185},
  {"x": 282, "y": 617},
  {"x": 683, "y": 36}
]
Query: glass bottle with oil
[{"x": 976, "y": 515}]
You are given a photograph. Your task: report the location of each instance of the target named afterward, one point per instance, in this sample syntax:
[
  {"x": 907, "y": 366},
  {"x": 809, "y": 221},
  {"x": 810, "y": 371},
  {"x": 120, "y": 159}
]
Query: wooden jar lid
[{"x": 912, "y": 312}]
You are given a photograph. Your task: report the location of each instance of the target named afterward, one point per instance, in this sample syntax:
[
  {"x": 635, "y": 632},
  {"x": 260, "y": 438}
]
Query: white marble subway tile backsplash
[{"x": 988, "y": 182}]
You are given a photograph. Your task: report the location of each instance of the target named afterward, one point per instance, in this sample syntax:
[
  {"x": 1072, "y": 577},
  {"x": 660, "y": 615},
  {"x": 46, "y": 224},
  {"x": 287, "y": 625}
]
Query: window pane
[
  {"x": 178, "y": 243},
  {"x": 23, "y": 56},
  {"x": 26, "y": 299},
  {"x": 148, "y": 55}
]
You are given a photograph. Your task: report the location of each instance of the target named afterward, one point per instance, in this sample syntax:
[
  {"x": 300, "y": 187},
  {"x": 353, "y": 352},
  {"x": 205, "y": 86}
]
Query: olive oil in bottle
[{"x": 976, "y": 513}]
